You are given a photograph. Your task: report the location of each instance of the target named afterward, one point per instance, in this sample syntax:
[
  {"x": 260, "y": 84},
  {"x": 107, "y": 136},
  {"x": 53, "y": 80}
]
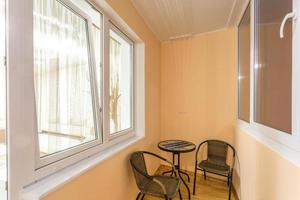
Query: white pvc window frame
[
  {"x": 286, "y": 144},
  {"x": 56, "y": 156},
  {"x": 102, "y": 115},
  {"x": 238, "y": 65},
  {"x": 25, "y": 169},
  {"x": 109, "y": 135},
  {"x": 104, "y": 138}
]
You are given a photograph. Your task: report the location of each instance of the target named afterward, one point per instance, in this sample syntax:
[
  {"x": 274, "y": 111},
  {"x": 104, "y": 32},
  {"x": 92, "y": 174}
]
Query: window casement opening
[
  {"x": 66, "y": 85},
  {"x": 75, "y": 111},
  {"x": 59, "y": 90}
]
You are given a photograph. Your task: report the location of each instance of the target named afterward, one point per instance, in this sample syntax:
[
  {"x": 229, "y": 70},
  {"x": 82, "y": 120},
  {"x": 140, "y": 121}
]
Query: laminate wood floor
[{"x": 209, "y": 189}]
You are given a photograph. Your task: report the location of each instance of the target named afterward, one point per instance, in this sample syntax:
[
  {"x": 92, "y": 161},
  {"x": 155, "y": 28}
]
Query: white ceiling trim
[
  {"x": 231, "y": 13},
  {"x": 172, "y": 19},
  {"x": 195, "y": 35}
]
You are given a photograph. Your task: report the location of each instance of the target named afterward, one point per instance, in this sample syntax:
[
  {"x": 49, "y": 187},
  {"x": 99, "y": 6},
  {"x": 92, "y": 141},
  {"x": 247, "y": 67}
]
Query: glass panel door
[{"x": 3, "y": 156}]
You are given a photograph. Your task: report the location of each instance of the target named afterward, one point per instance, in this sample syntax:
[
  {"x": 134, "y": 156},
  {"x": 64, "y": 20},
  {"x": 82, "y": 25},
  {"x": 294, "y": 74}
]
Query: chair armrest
[
  {"x": 140, "y": 171},
  {"x": 162, "y": 158},
  {"x": 197, "y": 151},
  {"x": 233, "y": 155},
  {"x": 161, "y": 185}
]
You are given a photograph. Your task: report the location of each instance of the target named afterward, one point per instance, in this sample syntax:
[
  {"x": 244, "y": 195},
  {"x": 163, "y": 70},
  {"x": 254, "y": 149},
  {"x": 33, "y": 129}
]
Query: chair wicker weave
[
  {"x": 165, "y": 187},
  {"x": 216, "y": 161}
]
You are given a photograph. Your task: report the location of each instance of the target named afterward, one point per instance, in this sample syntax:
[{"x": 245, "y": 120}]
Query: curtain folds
[{"x": 62, "y": 72}]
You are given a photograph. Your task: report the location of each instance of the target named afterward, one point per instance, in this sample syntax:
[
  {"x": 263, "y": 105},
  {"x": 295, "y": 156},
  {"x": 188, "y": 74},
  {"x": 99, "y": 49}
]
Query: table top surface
[{"x": 177, "y": 146}]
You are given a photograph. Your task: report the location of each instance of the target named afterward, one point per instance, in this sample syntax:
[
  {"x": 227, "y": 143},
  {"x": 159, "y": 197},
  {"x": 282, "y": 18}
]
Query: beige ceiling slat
[{"x": 176, "y": 18}]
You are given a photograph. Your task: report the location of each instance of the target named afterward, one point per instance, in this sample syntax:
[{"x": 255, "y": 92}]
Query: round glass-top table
[{"x": 176, "y": 147}]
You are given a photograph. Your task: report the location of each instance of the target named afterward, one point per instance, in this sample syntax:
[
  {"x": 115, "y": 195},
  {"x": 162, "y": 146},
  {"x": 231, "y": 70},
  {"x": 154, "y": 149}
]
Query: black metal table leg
[
  {"x": 187, "y": 175},
  {"x": 179, "y": 174},
  {"x": 170, "y": 171}
]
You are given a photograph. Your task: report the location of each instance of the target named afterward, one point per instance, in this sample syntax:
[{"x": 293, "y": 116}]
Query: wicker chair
[
  {"x": 216, "y": 161},
  {"x": 165, "y": 187}
]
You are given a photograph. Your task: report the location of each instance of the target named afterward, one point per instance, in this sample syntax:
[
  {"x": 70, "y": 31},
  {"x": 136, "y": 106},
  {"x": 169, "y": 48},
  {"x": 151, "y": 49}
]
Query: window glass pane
[
  {"x": 64, "y": 103},
  {"x": 120, "y": 83},
  {"x": 96, "y": 18},
  {"x": 273, "y": 67},
  {"x": 244, "y": 66},
  {"x": 3, "y": 164}
]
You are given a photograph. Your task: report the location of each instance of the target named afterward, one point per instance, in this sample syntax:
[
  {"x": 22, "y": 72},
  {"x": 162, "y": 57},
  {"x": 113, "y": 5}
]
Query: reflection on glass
[
  {"x": 244, "y": 66},
  {"x": 97, "y": 46},
  {"x": 120, "y": 83},
  {"x": 3, "y": 158},
  {"x": 62, "y": 78},
  {"x": 273, "y": 68}
]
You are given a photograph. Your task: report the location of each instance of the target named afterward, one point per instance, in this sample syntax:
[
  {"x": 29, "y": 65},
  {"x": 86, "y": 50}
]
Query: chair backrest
[
  {"x": 217, "y": 151},
  {"x": 139, "y": 168}
]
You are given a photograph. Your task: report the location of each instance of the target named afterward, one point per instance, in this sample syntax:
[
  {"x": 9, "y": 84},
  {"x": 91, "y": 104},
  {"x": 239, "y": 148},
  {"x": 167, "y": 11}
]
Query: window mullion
[
  {"x": 94, "y": 85},
  {"x": 296, "y": 78},
  {"x": 252, "y": 61},
  {"x": 106, "y": 94}
]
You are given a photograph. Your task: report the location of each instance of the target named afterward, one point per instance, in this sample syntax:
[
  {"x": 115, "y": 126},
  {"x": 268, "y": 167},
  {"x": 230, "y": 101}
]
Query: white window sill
[
  {"x": 284, "y": 150},
  {"x": 44, "y": 187}
]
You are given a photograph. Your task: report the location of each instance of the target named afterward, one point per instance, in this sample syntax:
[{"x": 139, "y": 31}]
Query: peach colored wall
[
  {"x": 198, "y": 94},
  {"x": 264, "y": 174},
  {"x": 112, "y": 179}
]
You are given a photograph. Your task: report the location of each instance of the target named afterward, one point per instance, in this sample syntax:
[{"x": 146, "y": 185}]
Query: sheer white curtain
[
  {"x": 62, "y": 73},
  {"x": 2, "y": 67}
]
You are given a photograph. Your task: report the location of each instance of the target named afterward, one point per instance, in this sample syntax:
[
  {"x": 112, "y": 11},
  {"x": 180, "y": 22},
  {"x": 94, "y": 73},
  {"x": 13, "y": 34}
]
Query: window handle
[{"x": 288, "y": 16}]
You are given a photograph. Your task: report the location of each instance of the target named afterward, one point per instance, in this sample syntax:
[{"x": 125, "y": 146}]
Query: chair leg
[
  {"x": 230, "y": 186},
  {"x": 195, "y": 179},
  {"x": 228, "y": 178},
  {"x": 180, "y": 196},
  {"x": 204, "y": 171},
  {"x": 143, "y": 197},
  {"x": 166, "y": 198},
  {"x": 138, "y": 196},
  {"x": 229, "y": 195}
]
